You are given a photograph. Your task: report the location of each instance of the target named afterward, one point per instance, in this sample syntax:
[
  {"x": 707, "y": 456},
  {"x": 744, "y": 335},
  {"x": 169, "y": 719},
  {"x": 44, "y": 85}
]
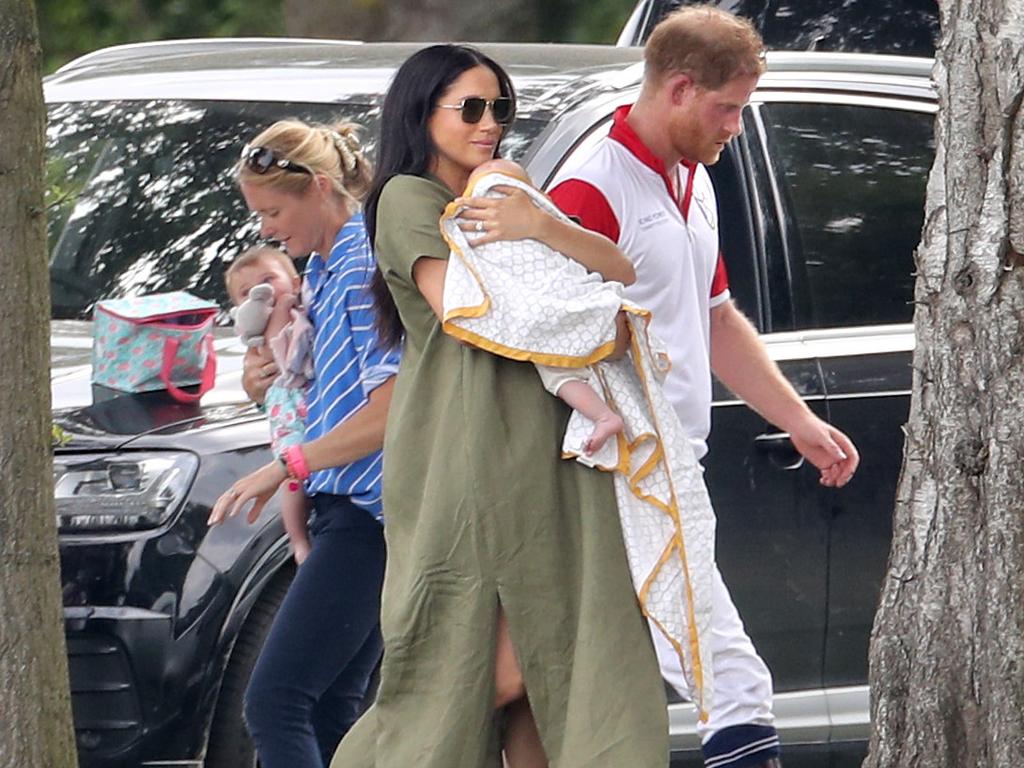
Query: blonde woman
[{"x": 306, "y": 184}]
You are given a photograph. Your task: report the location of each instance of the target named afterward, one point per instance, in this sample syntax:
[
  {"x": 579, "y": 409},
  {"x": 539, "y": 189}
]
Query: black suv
[
  {"x": 821, "y": 201},
  {"x": 909, "y": 27}
]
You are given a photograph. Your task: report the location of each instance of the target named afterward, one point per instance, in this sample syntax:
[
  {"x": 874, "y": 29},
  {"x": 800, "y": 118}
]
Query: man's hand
[
  {"x": 828, "y": 449},
  {"x": 258, "y": 372},
  {"x": 740, "y": 359}
]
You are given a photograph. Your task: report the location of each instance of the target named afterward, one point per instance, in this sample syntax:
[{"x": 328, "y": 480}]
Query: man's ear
[{"x": 679, "y": 86}]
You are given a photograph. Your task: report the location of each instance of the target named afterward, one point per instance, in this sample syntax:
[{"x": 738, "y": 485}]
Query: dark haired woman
[{"x": 506, "y": 569}]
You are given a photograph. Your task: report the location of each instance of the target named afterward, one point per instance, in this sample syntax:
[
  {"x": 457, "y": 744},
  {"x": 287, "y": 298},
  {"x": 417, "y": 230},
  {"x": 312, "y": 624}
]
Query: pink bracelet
[{"x": 295, "y": 461}]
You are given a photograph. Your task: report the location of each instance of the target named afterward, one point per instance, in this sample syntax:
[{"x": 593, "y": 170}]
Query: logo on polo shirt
[
  {"x": 706, "y": 208},
  {"x": 652, "y": 219}
]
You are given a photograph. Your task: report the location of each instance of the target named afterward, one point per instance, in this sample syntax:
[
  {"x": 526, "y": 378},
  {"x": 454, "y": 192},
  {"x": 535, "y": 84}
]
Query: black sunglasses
[
  {"x": 262, "y": 159},
  {"x": 474, "y": 106}
]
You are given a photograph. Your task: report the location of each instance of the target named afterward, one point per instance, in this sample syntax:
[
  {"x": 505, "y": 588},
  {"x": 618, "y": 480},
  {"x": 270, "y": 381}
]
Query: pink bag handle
[{"x": 171, "y": 345}]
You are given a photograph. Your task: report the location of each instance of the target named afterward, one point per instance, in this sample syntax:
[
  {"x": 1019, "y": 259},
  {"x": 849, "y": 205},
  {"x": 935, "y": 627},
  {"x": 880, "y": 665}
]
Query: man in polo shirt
[{"x": 646, "y": 188}]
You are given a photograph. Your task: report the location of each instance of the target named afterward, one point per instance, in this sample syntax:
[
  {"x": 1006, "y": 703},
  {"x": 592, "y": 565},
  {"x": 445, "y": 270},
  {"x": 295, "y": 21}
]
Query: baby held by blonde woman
[
  {"x": 306, "y": 184},
  {"x": 264, "y": 287}
]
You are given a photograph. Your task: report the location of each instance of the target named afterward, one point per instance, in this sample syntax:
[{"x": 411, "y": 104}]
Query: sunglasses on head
[
  {"x": 474, "y": 106},
  {"x": 262, "y": 159}
]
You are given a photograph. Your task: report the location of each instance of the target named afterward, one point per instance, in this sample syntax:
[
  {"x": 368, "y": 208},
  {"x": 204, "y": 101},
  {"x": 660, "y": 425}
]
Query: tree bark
[
  {"x": 34, "y": 700},
  {"x": 947, "y": 649}
]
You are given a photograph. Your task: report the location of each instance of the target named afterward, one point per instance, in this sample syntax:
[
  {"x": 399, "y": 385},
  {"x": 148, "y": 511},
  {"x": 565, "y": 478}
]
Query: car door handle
[{"x": 780, "y": 450}]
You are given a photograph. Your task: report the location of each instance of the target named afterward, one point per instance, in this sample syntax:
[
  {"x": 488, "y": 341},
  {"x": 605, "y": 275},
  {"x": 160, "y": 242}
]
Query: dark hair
[{"x": 405, "y": 146}]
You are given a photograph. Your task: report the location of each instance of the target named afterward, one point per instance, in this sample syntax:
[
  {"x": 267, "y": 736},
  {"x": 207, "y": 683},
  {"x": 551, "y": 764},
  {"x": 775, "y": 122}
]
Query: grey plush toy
[{"x": 251, "y": 315}]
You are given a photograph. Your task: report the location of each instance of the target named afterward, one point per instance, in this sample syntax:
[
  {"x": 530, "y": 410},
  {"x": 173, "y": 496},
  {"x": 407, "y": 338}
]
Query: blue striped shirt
[{"x": 348, "y": 358}]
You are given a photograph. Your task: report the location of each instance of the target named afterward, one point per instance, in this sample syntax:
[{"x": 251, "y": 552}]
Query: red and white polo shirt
[{"x": 620, "y": 189}]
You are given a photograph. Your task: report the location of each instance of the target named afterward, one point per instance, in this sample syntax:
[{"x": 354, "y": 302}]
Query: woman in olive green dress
[{"x": 507, "y": 590}]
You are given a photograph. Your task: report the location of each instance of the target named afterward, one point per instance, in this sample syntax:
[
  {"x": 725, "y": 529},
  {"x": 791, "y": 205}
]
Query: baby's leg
[
  {"x": 295, "y": 515},
  {"x": 286, "y": 412},
  {"x": 584, "y": 399}
]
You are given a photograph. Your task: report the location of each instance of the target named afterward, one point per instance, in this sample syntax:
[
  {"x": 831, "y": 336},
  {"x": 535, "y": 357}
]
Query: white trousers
[{"x": 743, "y": 684}]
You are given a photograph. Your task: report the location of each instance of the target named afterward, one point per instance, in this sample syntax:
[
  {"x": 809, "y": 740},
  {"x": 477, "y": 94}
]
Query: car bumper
[{"x": 121, "y": 698}]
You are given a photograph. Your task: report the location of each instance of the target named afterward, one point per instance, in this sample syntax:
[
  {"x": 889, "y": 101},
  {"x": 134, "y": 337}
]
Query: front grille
[{"x": 104, "y": 702}]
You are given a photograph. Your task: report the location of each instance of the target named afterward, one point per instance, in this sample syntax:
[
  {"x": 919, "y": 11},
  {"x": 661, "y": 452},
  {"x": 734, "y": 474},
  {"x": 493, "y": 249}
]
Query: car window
[
  {"x": 909, "y": 27},
  {"x": 855, "y": 178},
  {"x": 141, "y": 198}
]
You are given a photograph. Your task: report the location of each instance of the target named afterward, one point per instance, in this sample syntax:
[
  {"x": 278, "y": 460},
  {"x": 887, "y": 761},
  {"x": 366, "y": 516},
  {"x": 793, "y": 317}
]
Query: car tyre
[{"x": 229, "y": 745}]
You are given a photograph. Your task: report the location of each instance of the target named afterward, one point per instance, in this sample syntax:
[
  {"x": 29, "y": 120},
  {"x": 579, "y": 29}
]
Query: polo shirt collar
[
  {"x": 351, "y": 232},
  {"x": 623, "y": 133}
]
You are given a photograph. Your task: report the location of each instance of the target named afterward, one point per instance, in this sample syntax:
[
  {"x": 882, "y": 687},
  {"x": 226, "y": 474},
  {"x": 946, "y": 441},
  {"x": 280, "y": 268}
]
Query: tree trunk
[
  {"x": 947, "y": 650},
  {"x": 413, "y": 20},
  {"x": 34, "y": 700}
]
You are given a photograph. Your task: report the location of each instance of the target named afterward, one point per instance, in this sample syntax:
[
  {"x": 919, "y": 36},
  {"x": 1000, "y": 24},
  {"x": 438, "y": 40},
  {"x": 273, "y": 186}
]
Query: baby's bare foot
[{"x": 604, "y": 427}]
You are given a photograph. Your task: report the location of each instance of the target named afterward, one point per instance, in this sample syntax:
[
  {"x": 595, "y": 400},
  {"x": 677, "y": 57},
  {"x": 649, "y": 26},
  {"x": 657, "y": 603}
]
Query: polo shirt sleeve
[
  {"x": 587, "y": 204},
  {"x": 408, "y": 214},
  {"x": 377, "y": 362},
  {"x": 719, "y": 283}
]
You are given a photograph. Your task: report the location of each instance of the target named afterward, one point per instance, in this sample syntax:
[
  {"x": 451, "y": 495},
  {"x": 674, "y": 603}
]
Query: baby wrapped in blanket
[{"x": 525, "y": 301}]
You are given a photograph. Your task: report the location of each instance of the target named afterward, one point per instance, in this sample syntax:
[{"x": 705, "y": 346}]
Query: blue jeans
[{"x": 312, "y": 675}]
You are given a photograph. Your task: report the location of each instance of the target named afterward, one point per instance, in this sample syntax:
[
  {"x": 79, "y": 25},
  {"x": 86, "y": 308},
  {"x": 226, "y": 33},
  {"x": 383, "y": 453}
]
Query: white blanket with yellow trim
[
  {"x": 515, "y": 291},
  {"x": 525, "y": 301}
]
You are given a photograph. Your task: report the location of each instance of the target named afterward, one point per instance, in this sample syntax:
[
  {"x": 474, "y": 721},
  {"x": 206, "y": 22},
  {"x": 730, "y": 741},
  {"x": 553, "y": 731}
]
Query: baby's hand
[{"x": 610, "y": 423}]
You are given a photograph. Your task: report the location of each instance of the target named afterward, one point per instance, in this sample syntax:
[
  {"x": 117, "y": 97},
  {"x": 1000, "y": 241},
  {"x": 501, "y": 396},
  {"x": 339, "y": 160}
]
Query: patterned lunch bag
[{"x": 160, "y": 341}]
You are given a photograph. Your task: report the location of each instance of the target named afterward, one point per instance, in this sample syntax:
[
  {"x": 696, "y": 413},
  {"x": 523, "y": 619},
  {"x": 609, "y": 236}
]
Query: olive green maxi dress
[{"x": 481, "y": 510}]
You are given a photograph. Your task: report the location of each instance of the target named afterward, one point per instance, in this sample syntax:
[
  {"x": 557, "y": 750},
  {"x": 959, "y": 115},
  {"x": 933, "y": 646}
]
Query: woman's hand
[
  {"x": 258, "y": 372},
  {"x": 511, "y": 217},
  {"x": 258, "y": 487},
  {"x": 623, "y": 334},
  {"x": 515, "y": 217}
]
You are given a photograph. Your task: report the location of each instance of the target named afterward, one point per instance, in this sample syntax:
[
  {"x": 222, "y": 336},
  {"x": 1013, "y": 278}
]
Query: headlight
[{"x": 125, "y": 492}]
